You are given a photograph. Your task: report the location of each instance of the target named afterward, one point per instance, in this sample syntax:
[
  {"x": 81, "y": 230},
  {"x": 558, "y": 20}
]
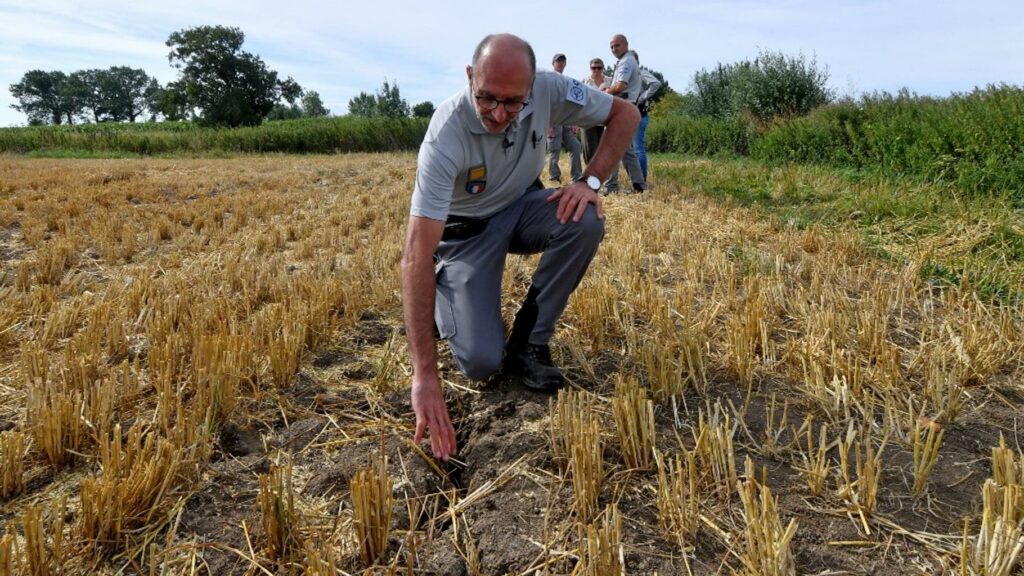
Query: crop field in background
[{"x": 203, "y": 371}]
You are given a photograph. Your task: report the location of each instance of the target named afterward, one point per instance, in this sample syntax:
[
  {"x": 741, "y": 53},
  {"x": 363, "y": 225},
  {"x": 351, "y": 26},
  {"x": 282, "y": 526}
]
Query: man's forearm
[
  {"x": 418, "y": 298},
  {"x": 418, "y": 286},
  {"x": 619, "y": 129}
]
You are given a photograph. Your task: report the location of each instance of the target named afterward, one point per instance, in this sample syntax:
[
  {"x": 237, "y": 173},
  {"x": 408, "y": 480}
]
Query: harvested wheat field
[{"x": 203, "y": 371}]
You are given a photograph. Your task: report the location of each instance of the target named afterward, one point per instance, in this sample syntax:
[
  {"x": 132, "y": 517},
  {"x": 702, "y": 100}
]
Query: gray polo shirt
[
  {"x": 463, "y": 170},
  {"x": 628, "y": 70}
]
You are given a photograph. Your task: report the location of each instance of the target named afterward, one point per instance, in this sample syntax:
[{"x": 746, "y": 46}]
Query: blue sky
[{"x": 339, "y": 49}]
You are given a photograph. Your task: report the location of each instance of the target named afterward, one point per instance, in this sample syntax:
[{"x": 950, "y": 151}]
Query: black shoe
[
  {"x": 638, "y": 188},
  {"x": 533, "y": 364}
]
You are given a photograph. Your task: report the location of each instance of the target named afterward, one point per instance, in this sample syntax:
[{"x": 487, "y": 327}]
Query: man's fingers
[
  {"x": 565, "y": 208},
  {"x": 555, "y": 195},
  {"x": 435, "y": 444},
  {"x": 446, "y": 435},
  {"x": 581, "y": 207},
  {"x": 452, "y": 446},
  {"x": 442, "y": 436},
  {"x": 421, "y": 425}
]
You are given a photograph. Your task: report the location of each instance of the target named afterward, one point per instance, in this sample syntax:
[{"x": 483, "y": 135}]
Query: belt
[{"x": 463, "y": 227}]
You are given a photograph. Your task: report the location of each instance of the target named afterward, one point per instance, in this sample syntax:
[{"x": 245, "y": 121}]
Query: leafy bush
[
  {"x": 773, "y": 85},
  {"x": 973, "y": 140}
]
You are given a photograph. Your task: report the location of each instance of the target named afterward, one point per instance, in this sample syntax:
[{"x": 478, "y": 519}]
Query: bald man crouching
[{"x": 478, "y": 198}]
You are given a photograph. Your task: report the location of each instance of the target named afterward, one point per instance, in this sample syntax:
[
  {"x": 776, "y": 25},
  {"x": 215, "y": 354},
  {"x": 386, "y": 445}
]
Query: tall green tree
[
  {"x": 76, "y": 95},
  {"x": 313, "y": 106},
  {"x": 387, "y": 103},
  {"x": 125, "y": 92},
  {"x": 170, "y": 102},
  {"x": 86, "y": 88},
  {"x": 423, "y": 110},
  {"x": 363, "y": 105},
  {"x": 226, "y": 84},
  {"x": 390, "y": 103},
  {"x": 282, "y": 111},
  {"x": 39, "y": 96}
]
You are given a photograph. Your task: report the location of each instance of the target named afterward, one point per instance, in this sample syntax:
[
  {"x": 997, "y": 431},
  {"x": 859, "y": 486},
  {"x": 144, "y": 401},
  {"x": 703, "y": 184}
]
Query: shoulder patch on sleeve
[{"x": 576, "y": 92}]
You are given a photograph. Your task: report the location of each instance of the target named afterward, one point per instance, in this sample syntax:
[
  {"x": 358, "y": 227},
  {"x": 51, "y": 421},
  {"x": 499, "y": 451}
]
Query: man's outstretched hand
[{"x": 432, "y": 415}]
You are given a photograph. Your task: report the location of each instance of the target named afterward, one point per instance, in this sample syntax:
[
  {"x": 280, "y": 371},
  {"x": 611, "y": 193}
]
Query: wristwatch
[{"x": 593, "y": 182}]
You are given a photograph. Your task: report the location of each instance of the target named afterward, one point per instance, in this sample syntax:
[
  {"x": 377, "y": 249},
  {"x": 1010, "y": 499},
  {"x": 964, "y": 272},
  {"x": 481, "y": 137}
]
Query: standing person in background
[
  {"x": 649, "y": 85},
  {"x": 559, "y": 136},
  {"x": 626, "y": 84},
  {"x": 592, "y": 136}
]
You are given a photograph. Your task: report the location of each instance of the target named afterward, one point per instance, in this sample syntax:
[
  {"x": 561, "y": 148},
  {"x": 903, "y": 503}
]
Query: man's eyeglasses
[
  {"x": 597, "y": 67},
  {"x": 490, "y": 103}
]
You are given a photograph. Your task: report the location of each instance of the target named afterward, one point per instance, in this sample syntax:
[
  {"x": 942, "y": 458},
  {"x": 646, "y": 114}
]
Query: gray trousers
[
  {"x": 563, "y": 136},
  {"x": 632, "y": 165},
  {"x": 469, "y": 273}
]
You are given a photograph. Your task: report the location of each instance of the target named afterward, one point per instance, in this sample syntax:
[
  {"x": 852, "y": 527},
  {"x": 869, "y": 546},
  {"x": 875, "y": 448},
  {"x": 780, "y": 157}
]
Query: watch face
[{"x": 594, "y": 183}]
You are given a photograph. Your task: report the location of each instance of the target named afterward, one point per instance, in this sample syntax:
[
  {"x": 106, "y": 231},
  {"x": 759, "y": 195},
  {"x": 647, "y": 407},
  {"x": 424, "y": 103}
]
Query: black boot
[{"x": 532, "y": 362}]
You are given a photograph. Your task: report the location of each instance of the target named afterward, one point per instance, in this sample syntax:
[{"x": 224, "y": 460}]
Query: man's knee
[
  {"x": 481, "y": 363},
  {"x": 590, "y": 228}
]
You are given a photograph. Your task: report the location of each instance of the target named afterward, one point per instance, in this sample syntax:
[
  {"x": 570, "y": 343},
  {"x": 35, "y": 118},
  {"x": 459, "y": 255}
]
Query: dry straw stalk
[
  {"x": 997, "y": 549},
  {"x": 767, "y": 551},
  {"x": 586, "y": 464},
  {"x": 601, "y": 550},
  {"x": 45, "y": 557},
  {"x": 280, "y": 522},
  {"x": 12, "y": 463},
  {"x": 56, "y": 422},
  {"x": 816, "y": 461},
  {"x": 10, "y": 562},
  {"x": 137, "y": 477},
  {"x": 715, "y": 452},
  {"x": 927, "y": 441},
  {"x": 861, "y": 493},
  {"x": 634, "y": 420},
  {"x": 678, "y": 497},
  {"x": 372, "y": 505},
  {"x": 565, "y": 410}
]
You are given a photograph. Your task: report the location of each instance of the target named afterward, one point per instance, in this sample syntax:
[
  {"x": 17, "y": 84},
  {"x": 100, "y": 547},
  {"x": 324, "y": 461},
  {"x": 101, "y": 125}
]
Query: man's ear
[{"x": 469, "y": 72}]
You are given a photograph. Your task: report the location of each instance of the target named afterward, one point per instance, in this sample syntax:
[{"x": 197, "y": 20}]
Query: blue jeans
[{"x": 639, "y": 145}]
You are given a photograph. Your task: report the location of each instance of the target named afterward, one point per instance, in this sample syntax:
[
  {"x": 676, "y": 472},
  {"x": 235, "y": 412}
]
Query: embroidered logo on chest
[{"x": 477, "y": 180}]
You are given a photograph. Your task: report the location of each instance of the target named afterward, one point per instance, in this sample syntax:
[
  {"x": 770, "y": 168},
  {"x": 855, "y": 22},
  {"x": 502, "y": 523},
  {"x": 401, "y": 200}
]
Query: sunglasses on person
[{"x": 597, "y": 67}]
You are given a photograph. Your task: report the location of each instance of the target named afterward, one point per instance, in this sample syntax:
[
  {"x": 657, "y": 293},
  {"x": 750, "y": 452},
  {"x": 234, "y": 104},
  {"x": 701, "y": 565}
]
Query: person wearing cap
[
  {"x": 477, "y": 197},
  {"x": 559, "y": 136},
  {"x": 626, "y": 84},
  {"x": 592, "y": 136}
]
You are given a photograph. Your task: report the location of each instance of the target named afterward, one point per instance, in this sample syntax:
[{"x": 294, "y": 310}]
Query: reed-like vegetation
[
  {"x": 973, "y": 141},
  {"x": 304, "y": 136}
]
